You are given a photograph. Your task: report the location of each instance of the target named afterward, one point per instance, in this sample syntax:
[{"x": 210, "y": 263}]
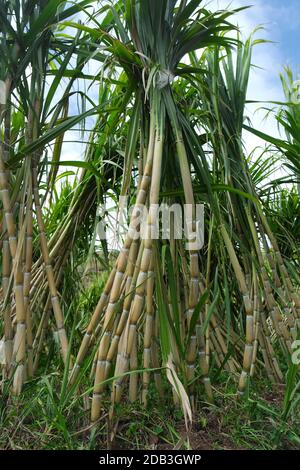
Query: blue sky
[
  {"x": 285, "y": 26},
  {"x": 281, "y": 22}
]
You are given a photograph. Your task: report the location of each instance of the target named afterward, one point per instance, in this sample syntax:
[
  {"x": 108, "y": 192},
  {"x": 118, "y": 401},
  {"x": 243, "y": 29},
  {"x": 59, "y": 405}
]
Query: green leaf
[
  {"x": 77, "y": 164},
  {"x": 45, "y": 18},
  {"x": 50, "y": 135},
  {"x": 131, "y": 143},
  {"x": 196, "y": 314},
  {"x": 281, "y": 144}
]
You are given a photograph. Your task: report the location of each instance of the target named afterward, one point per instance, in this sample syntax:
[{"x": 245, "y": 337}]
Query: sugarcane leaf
[
  {"x": 195, "y": 316},
  {"x": 65, "y": 174},
  {"x": 173, "y": 290},
  {"x": 185, "y": 13},
  {"x": 211, "y": 310},
  {"x": 122, "y": 31},
  {"x": 44, "y": 19},
  {"x": 77, "y": 7},
  {"x": 164, "y": 335},
  {"x": 77, "y": 164},
  {"x": 57, "y": 80},
  {"x": 214, "y": 188},
  {"x": 50, "y": 135},
  {"x": 180, "y": 390},
  {"x": 125, "y": 55},
  {"x": 131, "y": 144}
]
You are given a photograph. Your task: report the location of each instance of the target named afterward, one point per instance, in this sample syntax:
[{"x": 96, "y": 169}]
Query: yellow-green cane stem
[
  {"x": 19, "y": 347},
  {"x": 49, "y": 271}
]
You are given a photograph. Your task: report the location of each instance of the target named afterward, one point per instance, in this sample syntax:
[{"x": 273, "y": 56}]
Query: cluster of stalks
[
  {"x": 127, "y": 301},
  {"x": 167, "y": 305},
  {"x": 271, "y": 301},
  {"x": 150, "y": 316},
  {"x": 21, "y": 274},
  {"x": 32, "y": 266}
]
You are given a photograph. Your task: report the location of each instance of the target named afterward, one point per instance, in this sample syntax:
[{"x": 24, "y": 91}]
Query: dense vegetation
[{"x": 147, "y": 344}]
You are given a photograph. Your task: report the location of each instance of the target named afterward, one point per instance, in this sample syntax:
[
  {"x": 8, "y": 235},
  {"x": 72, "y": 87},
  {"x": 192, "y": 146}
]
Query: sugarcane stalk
[
  {"x": 19, "y": 340},
  {"x": 248, "y": 304},
  {"x": 27, "y": 278},
  {"x": 49, "y": 271},
  {"x": 194, "y": 276},
  {"x": 6, "y": 263},
  {"x": 148, "y": 332}
]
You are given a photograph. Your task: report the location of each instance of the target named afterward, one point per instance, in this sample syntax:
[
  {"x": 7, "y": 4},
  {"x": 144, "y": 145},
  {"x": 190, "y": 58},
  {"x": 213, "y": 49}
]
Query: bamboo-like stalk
[
  {"x": 207, "y": 281},
  {"x": 43, "y": 324},
  {"x": 256, "y": 319},
  {"x": 155, "y": 357},
  {"x": 194, "y": 276},
  {"x": 135, "y": 257},
  {"x": 19, "y": 341},
  {"x": 6, "y": 262},
  {"x": 275, "y": 314},
  {"x": 248, "y": 304},
  {"x": 112, "y": 289},
  {"x": 27, "y": 278},
  {"x": 8, "y": 328},
  {"x": 133, "y": 379},
  {"x": 49, "y": 271},
  {"x": 139, "y": 297},
  {"x": 103, "y": 364},
  {"x": 120, "y": 271},
  {"x": 41, "y": 334},
  {"x": 92, "y": 326},
  {"x": 138, "y": 300},
  {"x": 148, "y": 332},
  {"x": 292, "y": 295}
]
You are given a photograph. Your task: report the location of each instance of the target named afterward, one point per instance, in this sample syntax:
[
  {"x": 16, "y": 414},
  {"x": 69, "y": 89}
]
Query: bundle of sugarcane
[
  {"x": 29, "y": 121},
  {"x": 77, "y": 210},
  {"x": 270, "y": 297},
  {"x": 157, "y": 309},
  {"x": 137, "y": 289}
]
